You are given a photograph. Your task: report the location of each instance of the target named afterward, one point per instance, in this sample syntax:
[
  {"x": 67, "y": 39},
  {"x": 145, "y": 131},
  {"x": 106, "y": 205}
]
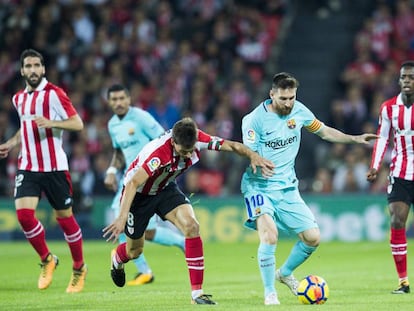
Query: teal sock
[
  {"x": 140, "y": 262},
  {"x": 267, "y": 262},
  {"x": 299, "y": 253},
  {"x": 122, "y": 238},
  {"x": 165, "y": 236}
]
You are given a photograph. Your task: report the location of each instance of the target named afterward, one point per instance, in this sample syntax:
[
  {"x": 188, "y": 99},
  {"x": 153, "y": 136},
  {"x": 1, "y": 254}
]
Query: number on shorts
[
  {"x": 253, "y": 204},
  {"x": 130, "y": 220},
  {"x": 18, "y": 180}
]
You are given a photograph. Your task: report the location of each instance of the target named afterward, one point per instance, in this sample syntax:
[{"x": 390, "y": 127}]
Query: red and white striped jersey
[
  {"x": 41, "y": 149},
  {"x": 397, "y": 119},
  {"x": 163, "y": 164}
]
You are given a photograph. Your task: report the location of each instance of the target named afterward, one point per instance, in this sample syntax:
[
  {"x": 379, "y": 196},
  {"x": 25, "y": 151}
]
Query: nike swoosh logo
[{"x": 268, "y": 133}]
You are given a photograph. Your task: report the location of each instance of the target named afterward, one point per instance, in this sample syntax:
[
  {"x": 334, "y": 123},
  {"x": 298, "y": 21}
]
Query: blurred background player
[
  {"x": 130, "y": 129},
  {"x": 396, "y": 117},
  {"x": 273, "y": 129},
  {"x": 45, "y": 111}
]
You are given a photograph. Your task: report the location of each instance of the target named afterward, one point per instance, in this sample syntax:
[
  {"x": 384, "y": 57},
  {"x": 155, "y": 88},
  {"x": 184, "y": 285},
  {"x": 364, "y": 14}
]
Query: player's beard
[
  {"x": 34, "y": 80},
  {"x": 284, "y": 111}
]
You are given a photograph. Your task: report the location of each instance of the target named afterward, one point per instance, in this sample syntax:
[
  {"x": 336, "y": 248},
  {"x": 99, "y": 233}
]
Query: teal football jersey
[
  {"x": 133, "y": 132},
  {"x": 276, "y": 138}
]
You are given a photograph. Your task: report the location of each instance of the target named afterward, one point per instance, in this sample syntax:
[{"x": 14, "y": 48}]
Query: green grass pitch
[{"x": 360, "y": 277}]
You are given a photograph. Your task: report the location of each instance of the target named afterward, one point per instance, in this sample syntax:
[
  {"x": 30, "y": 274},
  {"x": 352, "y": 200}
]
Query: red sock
[
  {"x": 73, "y": 236},
  {"x": 398, "y": 243},
  {"x": 121, "y": 254},
  {"x": 195, "y": 261},
  {"x": 33, "y": 230}
]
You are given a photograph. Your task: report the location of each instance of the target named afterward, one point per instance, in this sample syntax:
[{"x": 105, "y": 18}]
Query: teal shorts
[{"x": 287, "y": 208}]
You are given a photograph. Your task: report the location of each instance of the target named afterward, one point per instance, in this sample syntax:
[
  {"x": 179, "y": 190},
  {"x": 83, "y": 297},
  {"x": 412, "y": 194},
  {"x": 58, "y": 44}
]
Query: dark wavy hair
[
  {"x": 116, "y": 88},
  {"x": 184, "y": 133},
  {"x": 284, "y": 80},
  {"x": 31, "y": 53}
]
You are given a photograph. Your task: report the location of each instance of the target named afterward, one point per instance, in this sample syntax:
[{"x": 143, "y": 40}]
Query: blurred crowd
[
  {"x": 205, "y": 59},
  {"x": 385, "y": 40}
]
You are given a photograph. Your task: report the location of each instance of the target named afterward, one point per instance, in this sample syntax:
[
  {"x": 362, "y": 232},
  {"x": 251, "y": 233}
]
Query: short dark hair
[
  {"x": 408, "y": 63},
  {"x": 284, "y": 80},
  {"x": 184, "y": 133},
  {"x": 31, "y": 53},
  {"x": 116, "y": 88}
]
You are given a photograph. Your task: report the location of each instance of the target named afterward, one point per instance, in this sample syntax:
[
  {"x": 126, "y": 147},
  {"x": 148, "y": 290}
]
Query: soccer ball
[{"x": 313, "y": 290}]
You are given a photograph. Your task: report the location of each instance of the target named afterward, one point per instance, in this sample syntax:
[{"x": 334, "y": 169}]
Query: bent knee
[
  {"x": 313, "y": 243},
  {"x": 134, "y": 253},
  {"x": 311, "y": 237},
  {"x": 150, "y": 234}
]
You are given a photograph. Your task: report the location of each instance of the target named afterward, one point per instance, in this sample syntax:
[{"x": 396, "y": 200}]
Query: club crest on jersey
[
  {"x": 251, "y": 135},
  {"x": 154, "y": 163},
  {"x": 131, "y": 131},
  {"x": 291, "y": 124}
]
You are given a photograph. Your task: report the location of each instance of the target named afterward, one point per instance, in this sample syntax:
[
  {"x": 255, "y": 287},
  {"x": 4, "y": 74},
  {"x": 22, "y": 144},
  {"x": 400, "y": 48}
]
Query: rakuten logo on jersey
[{"x": 281, "y": 143}]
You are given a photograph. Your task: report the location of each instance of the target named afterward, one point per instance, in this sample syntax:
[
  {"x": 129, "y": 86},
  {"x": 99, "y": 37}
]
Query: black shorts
[
  {"x": 400, "y": 190},
  {"x": 57, "y": 186},
  {"x": 143, "y": 207}
]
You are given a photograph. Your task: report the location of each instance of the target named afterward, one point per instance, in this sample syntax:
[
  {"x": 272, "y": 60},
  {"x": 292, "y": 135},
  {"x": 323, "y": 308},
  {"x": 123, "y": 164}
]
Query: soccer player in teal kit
[
  {"x": 273, "y": 129},
  {"x": 130, "y": 129}
]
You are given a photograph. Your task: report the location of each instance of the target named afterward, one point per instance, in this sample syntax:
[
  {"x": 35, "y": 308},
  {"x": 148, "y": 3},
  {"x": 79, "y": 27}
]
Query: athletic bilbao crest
[{"x": 291, "y": 124}]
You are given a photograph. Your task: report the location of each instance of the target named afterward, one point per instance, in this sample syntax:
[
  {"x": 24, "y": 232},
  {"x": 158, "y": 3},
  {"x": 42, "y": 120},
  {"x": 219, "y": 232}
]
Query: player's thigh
[
  {"x": 174, "y": 206},
  {"x": 27, "y": 189},
  {"x": 183, "y": 217},
  {"x": 26, "y": 202}
]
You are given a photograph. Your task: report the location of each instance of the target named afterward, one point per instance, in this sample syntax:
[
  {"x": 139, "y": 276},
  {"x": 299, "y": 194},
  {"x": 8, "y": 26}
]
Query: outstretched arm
[
  {"x": 256, "y": 160},
  {"x": 335, "y": 136}
]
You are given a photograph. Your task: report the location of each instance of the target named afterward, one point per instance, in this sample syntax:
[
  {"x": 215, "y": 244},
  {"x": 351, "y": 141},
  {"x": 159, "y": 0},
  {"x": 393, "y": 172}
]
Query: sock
[
  {"x": 195, "y": 261},
  {"x": 73, "y": 236},
  {"x": 122, "y": 238},
  {"x": 398, "y": 243},
  {"x": 165, "y": 236},
  {"x": 299, "y": 253},
  {"x": 196, "y": 293},
  {"x": 267, "y": 262},
  {"x": 120, "y": 257},
  {"x": 34, "y": 231},
  {"x": 140, "y": 262}
]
